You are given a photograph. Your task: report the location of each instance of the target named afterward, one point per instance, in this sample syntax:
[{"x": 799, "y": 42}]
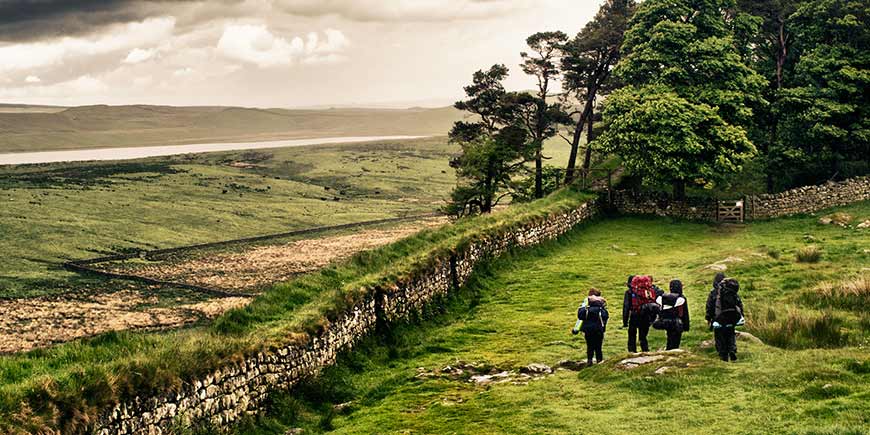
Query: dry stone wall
[
  {"x": 806, "y": 199},
  {"x": 241, "y": 388},
  {"x": 809, "y": 199},
  {"x": 659, "y": 204}
]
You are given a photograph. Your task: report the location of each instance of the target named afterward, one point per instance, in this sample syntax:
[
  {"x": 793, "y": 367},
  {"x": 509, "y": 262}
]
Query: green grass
[
  {"x": 62, "y": 386},
  {"x": 519, "y": 312},
  {"x": 58, "y": 212},
  {"x": 52, "y": 213}
]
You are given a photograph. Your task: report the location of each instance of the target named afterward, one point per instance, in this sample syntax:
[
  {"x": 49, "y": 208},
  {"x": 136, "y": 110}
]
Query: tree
[
  {"x": 772, "y": 53},
  {"x": 494, "y": 147},
  {"x": 684, "y": 114},
  {"x": 826, "y": 110},
  {"x": 587, "y": 63},
  {"x": 541, "y": 123}
]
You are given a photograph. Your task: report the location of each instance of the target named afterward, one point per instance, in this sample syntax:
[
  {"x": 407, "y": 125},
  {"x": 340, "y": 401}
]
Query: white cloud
[
  {"x": 256, "y": 44},
  {"x": 33, "y": 79},
  {"x": 28, "y": 56},
  {"x": 137, "y": 55},
  {"x": 183, "y": 72}
]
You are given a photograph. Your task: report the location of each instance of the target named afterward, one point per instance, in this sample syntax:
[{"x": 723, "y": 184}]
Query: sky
[{"x": 266, "y": 53}]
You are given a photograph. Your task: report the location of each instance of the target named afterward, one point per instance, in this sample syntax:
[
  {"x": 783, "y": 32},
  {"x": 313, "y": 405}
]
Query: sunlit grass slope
[{"x": 519, "y": 312}]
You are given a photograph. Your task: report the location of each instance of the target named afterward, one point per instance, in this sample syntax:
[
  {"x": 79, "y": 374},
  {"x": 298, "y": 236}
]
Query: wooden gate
[{"x": 731, "y": 211}]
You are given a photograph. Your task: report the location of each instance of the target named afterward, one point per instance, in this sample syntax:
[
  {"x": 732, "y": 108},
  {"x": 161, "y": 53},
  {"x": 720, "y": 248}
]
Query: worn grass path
[{"x": 520, "y": 311}]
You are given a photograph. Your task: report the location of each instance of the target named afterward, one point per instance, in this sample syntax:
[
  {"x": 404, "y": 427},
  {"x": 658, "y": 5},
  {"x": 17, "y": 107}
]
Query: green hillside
[
  {"x": 23, "y": 129},
  {"x": 519, "y": 313}
]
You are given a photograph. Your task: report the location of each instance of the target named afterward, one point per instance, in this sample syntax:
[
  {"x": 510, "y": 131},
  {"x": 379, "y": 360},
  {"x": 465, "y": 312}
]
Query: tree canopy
[{"x": 681, "y": 66}]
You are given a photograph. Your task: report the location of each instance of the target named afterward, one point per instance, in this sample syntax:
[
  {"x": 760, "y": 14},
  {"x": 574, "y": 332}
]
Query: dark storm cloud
[{"x": 28, "y": 20}]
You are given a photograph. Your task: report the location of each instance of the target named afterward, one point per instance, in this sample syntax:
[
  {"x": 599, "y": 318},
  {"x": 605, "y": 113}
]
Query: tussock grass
[
  {"x": 851, "y": 294},
  {"x": 789, "y": 327},
  {"x": 808, "y": 254}
]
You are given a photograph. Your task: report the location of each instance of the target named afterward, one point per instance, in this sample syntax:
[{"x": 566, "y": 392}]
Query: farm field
[{"x": 418, "y": 379}]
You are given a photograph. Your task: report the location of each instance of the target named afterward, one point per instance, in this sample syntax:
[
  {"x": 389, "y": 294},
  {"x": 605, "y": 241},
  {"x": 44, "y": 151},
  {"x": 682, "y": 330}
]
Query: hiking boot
[
  {"x": 724, "y": 357},
  {"x": 733, "y": 356}
]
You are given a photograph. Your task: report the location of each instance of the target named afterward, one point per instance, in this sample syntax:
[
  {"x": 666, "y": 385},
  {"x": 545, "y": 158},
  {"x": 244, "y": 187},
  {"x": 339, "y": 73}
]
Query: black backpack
[{"x": 727, "y": 303}]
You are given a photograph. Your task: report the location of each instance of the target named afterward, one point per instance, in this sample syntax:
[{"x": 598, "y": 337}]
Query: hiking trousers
[
  {"x": 674, "y": 339},
  {"x": 726, "y": 341},
  {"x": 594, "y": 342},
  {"x": 637, "y": 326}
]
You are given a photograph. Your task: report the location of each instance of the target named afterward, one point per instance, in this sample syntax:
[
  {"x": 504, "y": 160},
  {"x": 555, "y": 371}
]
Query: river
[{"x": 83, "y": 155}]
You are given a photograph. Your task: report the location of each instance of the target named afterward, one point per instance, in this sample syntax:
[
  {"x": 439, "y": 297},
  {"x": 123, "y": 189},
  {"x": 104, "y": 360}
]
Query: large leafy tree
[
  {"x": 542, "y": 121},
  {"x": 494, "y": 146},
  {"x": 684, "y": 114},
  {"x": 587, "y": 62},
  {"x": 827, "y": 108},
  {"x": 772, "y": 53}
]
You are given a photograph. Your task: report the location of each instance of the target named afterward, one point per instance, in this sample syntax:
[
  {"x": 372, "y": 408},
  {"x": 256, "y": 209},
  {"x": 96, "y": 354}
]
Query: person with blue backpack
[
  {"x": 592, "y": 319},
  {"x": 725, "y": 312}
]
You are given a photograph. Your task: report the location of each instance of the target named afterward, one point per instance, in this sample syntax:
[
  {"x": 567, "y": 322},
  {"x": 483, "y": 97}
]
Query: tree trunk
[
  {"x": 590, "y": 122},
  {"x": 575, "y": 145},
  {"x": 679, "y": 190},
  {"x": 539, "y": 171},
  {"x": 781, "y": 55}
]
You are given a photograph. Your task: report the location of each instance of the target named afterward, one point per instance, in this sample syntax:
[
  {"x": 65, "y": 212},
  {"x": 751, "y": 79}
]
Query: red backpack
[{"x": 642, "y": 293}]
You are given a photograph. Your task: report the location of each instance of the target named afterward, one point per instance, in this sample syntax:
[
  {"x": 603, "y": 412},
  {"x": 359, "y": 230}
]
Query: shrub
[
  {"x": 809, "y": 254},
  {"x": 798, "y": 329},
  {"x": 851, "y": 295}
]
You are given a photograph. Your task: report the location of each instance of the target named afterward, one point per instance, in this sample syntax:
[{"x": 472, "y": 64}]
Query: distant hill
[{"x": 40, "y": 128}]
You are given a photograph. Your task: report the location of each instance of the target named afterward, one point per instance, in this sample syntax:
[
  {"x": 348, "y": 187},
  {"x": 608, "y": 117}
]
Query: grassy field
[
  {"x": 519, "y": 312},
  {"x": 59, "y": 212},
  {"x": 32, "y": 128},
  {"x": 64, "y": 386}
]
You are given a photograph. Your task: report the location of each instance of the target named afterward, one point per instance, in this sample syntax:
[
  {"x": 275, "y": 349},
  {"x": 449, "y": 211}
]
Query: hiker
[
  {"x": 711, "y": 299},
  {"x": 643, "y": 311},
  {"x": 626, "y": 303},
  {"x": 727, "y": 314},
  {"x": 674, "y": 317},
  {"x": 592, "y": 320}
]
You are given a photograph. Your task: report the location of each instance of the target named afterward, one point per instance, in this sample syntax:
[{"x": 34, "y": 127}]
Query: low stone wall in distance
[
  {"x": 661, "y": 204},
  {"x": 808, "y": 199},
  {"x": 241, "y": 388}
]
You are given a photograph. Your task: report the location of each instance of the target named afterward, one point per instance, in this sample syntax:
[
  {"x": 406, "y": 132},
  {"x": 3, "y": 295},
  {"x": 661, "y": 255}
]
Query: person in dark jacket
[
  {"x": 594, "y": 317},
  {"x": 674, "y": 317},
  {"x": 626, "y": 303},
  {"x": 641, "y": 315},
  {"x": 711, "y": 299},
  {"x": 727, "y": 315}
]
